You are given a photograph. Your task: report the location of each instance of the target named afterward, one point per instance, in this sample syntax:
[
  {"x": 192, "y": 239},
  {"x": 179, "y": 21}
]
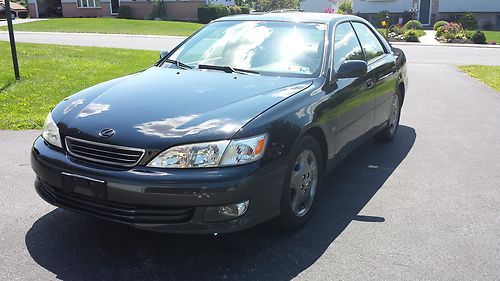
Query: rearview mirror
[
  {"x": 352, "y": 69},
  {"x": 163, "y": 54}
]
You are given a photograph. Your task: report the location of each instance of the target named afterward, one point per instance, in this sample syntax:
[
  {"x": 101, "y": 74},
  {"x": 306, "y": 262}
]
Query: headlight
[
  {"x": 244, "y": 151},
  {"x": 51, "y": 132},
  {"x": 212, "y": 154}
]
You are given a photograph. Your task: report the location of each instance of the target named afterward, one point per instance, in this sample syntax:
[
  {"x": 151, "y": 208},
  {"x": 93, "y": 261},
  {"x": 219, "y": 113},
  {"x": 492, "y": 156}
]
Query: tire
[
  {"x": 305, "y": 168},
  {"x": 13, "y": 16},
  {"x": 389, "y": 132}
]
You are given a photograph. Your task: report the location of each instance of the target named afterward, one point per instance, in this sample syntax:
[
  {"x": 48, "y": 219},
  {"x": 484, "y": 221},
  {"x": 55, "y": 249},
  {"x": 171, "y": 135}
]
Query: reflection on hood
[
  {"x": 93, "y": 108},
  {"x": 176, "y": 127}
]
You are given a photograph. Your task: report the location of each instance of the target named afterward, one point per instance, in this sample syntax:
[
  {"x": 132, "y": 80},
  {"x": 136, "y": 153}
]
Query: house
[
  {"x": 426, "y": 11},
  {"x": 186, "y": 10},
  {"x": 17, "y": 10}
]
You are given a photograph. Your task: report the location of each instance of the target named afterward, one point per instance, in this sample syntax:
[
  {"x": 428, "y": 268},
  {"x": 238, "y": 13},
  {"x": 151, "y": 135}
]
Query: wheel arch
[{"x": 318, "y": 134}]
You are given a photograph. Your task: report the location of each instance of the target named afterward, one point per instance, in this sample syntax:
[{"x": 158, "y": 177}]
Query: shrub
[
  {"x": 414, "y": 24},
  {"x": 397, "y": 29},
  {"x": 158, "y": 10},
  {"x": 440, "y": 23},
  {"x": 411, "y": 36},
  {"x": 238, "y": 10},
  {"x": 345, "y": 7},
  {"x": 232, "y": 10},
  {"x": 440, "y": 31},
  {"x": 478, "y": 37},
  {"x": 208, "y": 13},
  {"x": 125, "y": 12},
  {"x": 488, "y": 26},
  {"x": 468, "y": 21},
  {"x": 245, "y": 10}
]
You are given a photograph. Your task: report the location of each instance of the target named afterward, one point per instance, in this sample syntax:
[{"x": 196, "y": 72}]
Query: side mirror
[
  {"x": 163, "y": 54},
  {"x": 352, "y": 69}
]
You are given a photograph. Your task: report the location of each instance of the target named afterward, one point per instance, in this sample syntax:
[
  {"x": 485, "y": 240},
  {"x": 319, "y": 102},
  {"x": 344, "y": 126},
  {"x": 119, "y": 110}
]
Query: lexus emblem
[{"x": 106, "y": 133}]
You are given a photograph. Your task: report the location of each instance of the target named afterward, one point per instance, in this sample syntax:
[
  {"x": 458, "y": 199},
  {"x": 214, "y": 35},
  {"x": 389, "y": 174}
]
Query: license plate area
[{"x": 84, "y": 186}]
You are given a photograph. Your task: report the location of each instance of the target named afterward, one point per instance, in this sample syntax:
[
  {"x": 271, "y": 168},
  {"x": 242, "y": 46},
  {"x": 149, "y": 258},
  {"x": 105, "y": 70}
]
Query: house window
[{"x": 89, "y": 3}]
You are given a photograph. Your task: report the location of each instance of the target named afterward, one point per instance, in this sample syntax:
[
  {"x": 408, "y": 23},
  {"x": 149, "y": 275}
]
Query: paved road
[
  {"x": 137, "y": 42},
  {"x": 417, "y": 54},
  {"x": 425, "y": 207}
]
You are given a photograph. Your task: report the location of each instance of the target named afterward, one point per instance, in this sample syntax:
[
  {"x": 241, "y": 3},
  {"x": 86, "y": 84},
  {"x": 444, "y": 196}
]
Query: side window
[
  {"x": 369, "y": 41},
  {"x": 346, "y": 45}
]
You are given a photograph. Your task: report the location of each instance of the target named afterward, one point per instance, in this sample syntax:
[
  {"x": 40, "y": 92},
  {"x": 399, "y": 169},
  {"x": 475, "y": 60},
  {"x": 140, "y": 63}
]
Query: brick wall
[
  {"x": 70, "y": 10},
  {"x": 183, "y": 10},
  {"x": 176, "y": 10}
]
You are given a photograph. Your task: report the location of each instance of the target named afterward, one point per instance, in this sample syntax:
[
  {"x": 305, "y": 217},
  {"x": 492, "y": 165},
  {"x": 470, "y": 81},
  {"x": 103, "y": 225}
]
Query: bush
[
  {"x": 232, "y": 10},
  {"x": 125, "y": 12},
  {"x": 440, "y": 23},
  {"x": 208, "y": 13},
  {"x": 397, "y": 29},
  {"x": 245, "y": 10},
  {"x": 488, "y": 26},
  {"x": 238, "y": 10},
  {"x": 468, "y": 21},
  {"x": 345, "y": 7},
  {"x": 411, "y": 36},
  {"x": 158, "y": 10},
  {"x": 414, "y": 24},
  {"x": 440, "y": 31},
  {"x": 478, "y": 37}
]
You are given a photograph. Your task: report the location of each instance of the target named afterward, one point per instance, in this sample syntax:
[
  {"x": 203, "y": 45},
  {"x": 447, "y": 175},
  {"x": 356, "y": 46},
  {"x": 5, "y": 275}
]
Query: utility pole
[{"x": 8, "y": 15}]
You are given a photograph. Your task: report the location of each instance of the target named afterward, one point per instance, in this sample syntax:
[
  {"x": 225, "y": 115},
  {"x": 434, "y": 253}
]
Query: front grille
[
  {"x": 116, "y": 211},
  {"x": 104, "y": 153}
]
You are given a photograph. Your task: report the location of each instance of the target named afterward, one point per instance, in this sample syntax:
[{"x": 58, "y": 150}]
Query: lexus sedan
[{"x": 235, "y": 126}]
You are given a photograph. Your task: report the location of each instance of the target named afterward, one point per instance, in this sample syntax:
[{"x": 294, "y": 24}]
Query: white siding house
[{"x": 426, "y": 11}]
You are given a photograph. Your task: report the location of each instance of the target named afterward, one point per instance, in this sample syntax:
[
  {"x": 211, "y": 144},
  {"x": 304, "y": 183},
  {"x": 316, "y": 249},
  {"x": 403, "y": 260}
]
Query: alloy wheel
[{"x": 303, "y": 183}]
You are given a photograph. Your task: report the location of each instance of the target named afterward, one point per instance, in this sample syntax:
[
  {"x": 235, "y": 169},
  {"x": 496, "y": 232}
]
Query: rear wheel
[
  {"x": 388, "y": 133},
  {"x": 13, "y": 16},
  {"x": 302, "y": 184}
]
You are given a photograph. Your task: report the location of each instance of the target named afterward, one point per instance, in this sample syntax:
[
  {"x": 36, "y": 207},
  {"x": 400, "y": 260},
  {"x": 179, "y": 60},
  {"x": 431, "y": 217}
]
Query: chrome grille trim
[{"x": 103, "y": 153}]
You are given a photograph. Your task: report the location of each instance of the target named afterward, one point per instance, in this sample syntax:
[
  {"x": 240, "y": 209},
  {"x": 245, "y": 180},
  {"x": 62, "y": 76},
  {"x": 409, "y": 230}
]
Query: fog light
[{"x": 226, "y": 212}]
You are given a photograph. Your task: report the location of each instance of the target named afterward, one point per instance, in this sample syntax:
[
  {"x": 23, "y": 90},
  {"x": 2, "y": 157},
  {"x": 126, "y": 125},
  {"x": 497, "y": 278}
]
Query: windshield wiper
[
  {"x": 227, "y": 69},
  {"x": 178, "y": 64}
]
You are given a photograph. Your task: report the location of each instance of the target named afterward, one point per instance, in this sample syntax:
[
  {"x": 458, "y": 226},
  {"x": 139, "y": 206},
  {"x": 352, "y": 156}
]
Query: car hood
[{"x": 161, "y": 107}]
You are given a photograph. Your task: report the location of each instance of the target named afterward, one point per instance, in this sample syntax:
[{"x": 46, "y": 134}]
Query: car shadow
[{"x": 76, "y": 247}]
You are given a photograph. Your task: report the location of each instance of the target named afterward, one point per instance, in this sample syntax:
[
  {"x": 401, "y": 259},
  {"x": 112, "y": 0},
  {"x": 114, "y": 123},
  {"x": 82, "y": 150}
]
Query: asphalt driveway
[{"x": 425, "y": 207}]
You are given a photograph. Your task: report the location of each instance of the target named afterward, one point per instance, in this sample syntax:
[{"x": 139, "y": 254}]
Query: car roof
[{"x": 289, "y": 16}]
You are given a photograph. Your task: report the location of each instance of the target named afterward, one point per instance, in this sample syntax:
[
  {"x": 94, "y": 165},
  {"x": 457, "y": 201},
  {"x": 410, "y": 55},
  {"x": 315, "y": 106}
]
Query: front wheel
[
  {"x": 389, "y": 132},
  {"x": 13, "y": 16},
  {"x": 304, "y": 177}
]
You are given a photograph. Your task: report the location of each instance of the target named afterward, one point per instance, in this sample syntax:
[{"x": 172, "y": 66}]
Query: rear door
[{"x": 381, "y": 77}]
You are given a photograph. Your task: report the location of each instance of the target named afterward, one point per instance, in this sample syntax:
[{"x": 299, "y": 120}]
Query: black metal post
[{"x": 8, "y": 15}]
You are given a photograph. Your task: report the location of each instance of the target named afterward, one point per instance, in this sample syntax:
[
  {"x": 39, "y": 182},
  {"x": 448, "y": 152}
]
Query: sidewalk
[
  {"x": 429, "y": 38},
  {"x": 18, "y": 21}
]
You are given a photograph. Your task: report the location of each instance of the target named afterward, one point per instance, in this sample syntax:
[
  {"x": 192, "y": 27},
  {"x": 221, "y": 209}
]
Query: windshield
[{"x": 266, "y": 47}]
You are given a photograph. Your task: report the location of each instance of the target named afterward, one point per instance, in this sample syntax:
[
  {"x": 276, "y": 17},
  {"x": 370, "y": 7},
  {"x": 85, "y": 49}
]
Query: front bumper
[{"x": 166, "y": 200}]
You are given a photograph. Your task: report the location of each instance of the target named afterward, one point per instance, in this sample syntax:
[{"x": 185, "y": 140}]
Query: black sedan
[{"x": 235, "y": 126}]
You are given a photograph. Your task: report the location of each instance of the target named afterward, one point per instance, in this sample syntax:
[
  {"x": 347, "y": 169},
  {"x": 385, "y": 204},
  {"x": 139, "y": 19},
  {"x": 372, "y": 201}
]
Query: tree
[{"x": 273, "y": 5}]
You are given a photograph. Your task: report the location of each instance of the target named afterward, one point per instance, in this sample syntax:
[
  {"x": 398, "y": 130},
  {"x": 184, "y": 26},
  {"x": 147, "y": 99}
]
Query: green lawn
[
  {"x": 490, "y": 75},
  {"x": 110, "y": 25},
  {"x": 49, "y": 73},
  {"x": 492, "y": 36}
]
